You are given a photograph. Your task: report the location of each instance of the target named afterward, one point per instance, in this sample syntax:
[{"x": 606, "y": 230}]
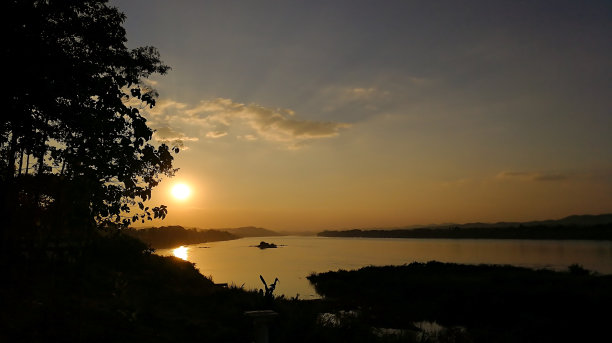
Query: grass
[
  {"x": 115, "y": 289},
  {"x": 494, "y": 303}
]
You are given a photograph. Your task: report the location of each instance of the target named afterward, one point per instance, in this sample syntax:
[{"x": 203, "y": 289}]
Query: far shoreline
[{"x": 594, "y": 233}]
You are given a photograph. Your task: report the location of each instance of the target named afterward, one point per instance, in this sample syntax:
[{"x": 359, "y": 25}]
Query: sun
[
  {"x": 181, "y": 252},
  {"x": 181, "y": 191}
]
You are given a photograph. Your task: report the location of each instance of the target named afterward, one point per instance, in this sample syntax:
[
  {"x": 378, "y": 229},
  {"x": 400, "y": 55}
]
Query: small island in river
[{"x": 265, "y": 245}]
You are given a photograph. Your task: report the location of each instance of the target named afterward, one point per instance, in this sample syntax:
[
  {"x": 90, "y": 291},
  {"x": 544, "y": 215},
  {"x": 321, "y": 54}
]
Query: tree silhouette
[{"x": 74, "y": 147}]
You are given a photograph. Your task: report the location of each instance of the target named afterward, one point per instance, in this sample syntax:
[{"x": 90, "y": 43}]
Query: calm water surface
[{"x": 238, "y": 262}]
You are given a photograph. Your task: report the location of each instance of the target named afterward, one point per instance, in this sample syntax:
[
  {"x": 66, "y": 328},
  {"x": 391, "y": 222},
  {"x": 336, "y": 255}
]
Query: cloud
[
  {"x": 355, "y": 99},
  {"x": 169, "y": 135},
  {"x": 248, "y": 137},
  {"x": 531, "y": 176},
  {"x": 272, "y": 124},
  {"x": 361, "y": 93},
  {"x": 364, "y": 96},
  {"x": 216, "y": 134},
  {"x": 220, "y": 117},
  {"x": 150, "y": 82},
  {"x": 165, "y": 110}
]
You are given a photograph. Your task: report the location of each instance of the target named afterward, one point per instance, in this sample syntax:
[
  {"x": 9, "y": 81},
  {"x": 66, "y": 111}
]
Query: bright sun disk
[{"x": 181, "y": 191}]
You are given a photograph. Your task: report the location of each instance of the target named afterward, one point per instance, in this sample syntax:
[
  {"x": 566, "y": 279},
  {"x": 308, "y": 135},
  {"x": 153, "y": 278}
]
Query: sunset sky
[{"x": 311, "y": 115}]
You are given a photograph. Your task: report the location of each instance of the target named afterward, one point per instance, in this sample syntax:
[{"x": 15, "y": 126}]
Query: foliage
[
  {"x": 577, "y": 269},
  {"x": 269, "y": 290},
  {"x": 116, "y": 290},
  {"x": 494, "y": 303},
  {"x": 73, "y": 141},
  {"x": 174, "y": 236},
  {"x": 265, "y": 245}
]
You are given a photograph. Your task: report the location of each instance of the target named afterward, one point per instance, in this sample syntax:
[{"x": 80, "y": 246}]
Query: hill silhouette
[
  {"x": 174, "y": 236},
  {"x": 251, "y": 231},
  {"x": 578, "y": 220},
  {"x": 587, "y": 227}
]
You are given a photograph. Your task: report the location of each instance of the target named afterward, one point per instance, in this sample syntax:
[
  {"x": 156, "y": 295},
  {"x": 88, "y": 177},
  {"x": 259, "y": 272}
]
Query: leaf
[{"x": 71, "y": 110}]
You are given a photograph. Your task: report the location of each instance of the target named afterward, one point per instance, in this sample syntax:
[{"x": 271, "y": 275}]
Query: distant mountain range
[
  {"x": 592, "y": 227},
  {"x": 580, "y": 220},
  {"x": 251, "y": 231}
]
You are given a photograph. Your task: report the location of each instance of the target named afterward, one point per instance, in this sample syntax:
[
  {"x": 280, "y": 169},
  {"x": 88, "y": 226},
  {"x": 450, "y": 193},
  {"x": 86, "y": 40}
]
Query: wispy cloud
[
  {"x": 221, "y": 117},
  {"x": 248, "y": 137},
  {"x": 364, "y": 95},
  {"x": 216, "y": 134},
  {"x": 164, "y": 111},
  {"x": 361, "y": 94},
  {"x": 166, "y": 134},
  {"x": 272, "y": 124},
  {"x": 531, "y": 176},
  {"x": 150, "y": 82},
  {"x": 362, "y": 98}
]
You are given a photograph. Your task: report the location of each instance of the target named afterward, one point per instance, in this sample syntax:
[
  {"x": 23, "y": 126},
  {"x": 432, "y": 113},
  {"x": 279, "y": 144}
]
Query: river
[{"x": 239, "y": 263}]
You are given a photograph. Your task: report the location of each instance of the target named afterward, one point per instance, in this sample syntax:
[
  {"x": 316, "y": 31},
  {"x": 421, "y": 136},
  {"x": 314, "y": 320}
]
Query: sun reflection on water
[{"x": 181, "y": 252}]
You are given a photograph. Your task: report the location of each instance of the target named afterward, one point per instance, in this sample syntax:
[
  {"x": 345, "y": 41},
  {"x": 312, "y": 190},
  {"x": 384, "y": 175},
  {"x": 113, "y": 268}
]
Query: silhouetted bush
[
  {"x": 174, "y": 236},
  {"x": 494, "y": 303}
]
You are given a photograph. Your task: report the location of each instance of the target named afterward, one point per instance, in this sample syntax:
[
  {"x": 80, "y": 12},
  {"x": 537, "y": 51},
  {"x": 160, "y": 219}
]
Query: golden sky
[{"x": 310, "y": 115}]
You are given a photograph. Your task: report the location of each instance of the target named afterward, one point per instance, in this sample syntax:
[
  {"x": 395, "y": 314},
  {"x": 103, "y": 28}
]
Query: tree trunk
[
  {"x": 11, "y": 155},
  {"x": 20, "y": 162},
  {"x": 27, "y": 163},
  {"x": 41, "y": 162}
]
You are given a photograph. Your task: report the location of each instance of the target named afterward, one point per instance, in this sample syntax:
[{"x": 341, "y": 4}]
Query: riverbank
[
  {"x": 576, "y": 227},
  {"x": 116, "y": 290},
  {"x": 174, "y": 236},
  {"x": 238, "y": 262},
  {"x": 492, "y": 303},
  {"x": 113, "y": 289},
  {"x": 601, "y": 232}
]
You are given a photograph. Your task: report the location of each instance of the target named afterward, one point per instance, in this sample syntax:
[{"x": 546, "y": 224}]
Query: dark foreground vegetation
[
  {"x": 490, "y": 303},
  {"x": 174, "y": 236},
  {"x": 114, "y": 289},
  {"x": 78, "y": 164}
]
